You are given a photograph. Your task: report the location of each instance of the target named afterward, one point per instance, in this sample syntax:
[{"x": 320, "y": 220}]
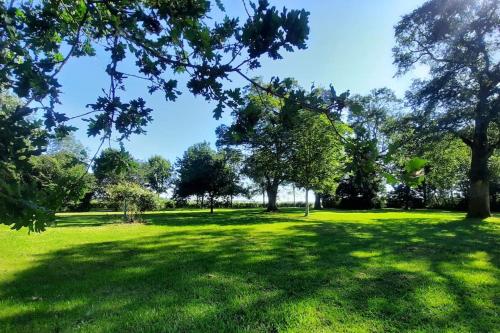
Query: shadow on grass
[
  {"x": 183, "y": 218},
  {"x": 410, "y": 274}
]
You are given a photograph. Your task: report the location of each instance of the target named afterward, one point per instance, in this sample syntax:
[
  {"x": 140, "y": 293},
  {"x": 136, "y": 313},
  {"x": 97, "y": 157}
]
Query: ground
[{"x": 244, "y": 270}]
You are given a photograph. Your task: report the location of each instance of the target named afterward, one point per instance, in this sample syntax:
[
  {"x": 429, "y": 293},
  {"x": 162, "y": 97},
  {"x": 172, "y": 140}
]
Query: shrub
[{"x": 132, "y": 198}]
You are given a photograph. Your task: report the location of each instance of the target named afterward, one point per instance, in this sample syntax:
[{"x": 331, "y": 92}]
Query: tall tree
[
  {"x": 262, "y": 128},
  {"x": 158, "y": 173},
  {"x": 368, "y": 116},
  {"x": 316, "y": 154},
  {"x": 20, "y": 139},
  {"x": 459, "y": 42}
]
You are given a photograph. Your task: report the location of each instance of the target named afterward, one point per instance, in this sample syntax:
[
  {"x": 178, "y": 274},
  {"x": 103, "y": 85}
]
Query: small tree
[{"x": 132, "y": 198}]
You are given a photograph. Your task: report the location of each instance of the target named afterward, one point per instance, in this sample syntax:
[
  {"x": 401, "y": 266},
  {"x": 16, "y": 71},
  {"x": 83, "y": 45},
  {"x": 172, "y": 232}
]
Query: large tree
[
  {"x": 262, "y": 129},
  {"x": 20, "y": 139},
  {"x": 368, "y": 116},
  {"x": 458, "y": 41},
  {"x": 203, "y": 171}
]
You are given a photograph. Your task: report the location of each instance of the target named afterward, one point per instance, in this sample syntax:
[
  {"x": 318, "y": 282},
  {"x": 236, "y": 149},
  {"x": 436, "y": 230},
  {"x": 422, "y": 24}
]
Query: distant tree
[
  {"x": 317, "y": 154},
  {"x": 447, "y": 169},
  {"x": 68, "y": 144},
  {"x": 494, "y": 168},
  {"x": 158, "y": 172},
  {"x": 367, "y": 116},
  {"x": 262, "y": 128},
  {"x": 61, "y": 179},
  {"x": 458, "y": 41},
  {"x": 202, "y": 171},
  {"x": 114, "y": 166}
]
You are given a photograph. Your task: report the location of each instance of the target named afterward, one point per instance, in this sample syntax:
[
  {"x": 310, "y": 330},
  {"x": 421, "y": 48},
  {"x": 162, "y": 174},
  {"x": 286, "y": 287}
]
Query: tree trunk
[
  {"x": 317, "y": 201},
  {"x": 293, "y": 189},
  {"x": 307, "y": 203},
  {"x": 202, "y": 199},
  {"x": 263, "y": 197},
  {"x": 272, "y": 196},
  {"x": 479, "y": 192},
  {"x": 211, "y": 204}
]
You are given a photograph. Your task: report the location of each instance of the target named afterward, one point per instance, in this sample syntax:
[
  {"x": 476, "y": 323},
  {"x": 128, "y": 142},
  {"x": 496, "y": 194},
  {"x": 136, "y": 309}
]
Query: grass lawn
[{"x": 243, "y": 270}]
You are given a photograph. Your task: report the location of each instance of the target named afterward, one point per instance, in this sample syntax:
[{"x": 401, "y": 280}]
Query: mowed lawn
[{"x": 244, "y": 270}]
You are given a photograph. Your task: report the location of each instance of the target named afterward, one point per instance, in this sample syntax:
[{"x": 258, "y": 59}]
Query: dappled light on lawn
[{"x": 238, "y": 270}]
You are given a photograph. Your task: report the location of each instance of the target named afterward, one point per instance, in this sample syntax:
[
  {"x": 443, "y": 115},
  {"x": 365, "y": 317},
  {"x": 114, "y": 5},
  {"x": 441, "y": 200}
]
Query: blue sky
[{"x": 349, "y": 46}]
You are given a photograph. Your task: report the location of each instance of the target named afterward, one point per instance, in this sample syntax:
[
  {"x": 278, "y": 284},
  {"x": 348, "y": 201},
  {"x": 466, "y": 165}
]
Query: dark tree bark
[
  {"x": 317, "y": 201},
  {"x": 272, "y": 196},
  {"x": 211, "y": 204},
  {"x": 479, "y": 192}
]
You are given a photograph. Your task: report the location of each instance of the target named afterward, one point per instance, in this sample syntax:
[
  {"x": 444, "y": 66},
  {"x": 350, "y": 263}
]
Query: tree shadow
[
  {"x": 184, "y": 218},
  {"x": 408, "y": 274}
]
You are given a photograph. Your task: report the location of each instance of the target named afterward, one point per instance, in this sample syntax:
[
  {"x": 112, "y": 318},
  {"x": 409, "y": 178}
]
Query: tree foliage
[
  {"x": 132, "y": 198},
  {"x": 158, "y": 173},
  {"x": 20, "y": 139},
  {"x": 202, "y": 171},
  {"x": 458, "y": 42},
  {"x": 61, "y": 180},
  {"x": 162, "y": 38},
  {"x": 317, "y": 154},
  {"x": 263, "y": 129}
]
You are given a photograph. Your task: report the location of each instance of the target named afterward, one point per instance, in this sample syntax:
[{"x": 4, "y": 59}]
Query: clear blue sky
[{"x": 349, "y": 46}]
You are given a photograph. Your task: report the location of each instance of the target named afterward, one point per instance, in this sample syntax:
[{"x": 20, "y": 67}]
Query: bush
[{"x": 132, "y": 198}]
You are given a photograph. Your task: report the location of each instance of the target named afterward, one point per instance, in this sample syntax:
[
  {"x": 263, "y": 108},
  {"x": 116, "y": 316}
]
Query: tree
[
  {"x": 114, "y": 166},
  {"x": 67, "y": 144},
  {"x": 446, "y": 171},
  {"x": 368, "y": 117},
  {"x": 132, "y": 198},
  {"x": 262, "y": 128},
  {"x": 20, "y": 139},
  {"x": 158, "y": 173},
  {"x": 202, "y": 171},
  {"x": 61, "y": 180},
  {"x": 458, "y": 41},
  {"x": 316, "y": 154}
]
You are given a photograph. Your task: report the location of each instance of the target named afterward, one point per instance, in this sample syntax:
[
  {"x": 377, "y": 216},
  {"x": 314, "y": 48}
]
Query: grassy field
[{"x": 243, "y": 270}]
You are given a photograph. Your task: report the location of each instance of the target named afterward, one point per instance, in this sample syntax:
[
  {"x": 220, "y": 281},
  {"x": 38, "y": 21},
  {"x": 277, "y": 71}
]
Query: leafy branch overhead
[{"x": 164, "y": 39}]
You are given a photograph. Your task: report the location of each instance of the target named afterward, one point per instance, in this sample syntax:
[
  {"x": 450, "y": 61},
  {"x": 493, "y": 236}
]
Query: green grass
[{"x": 243, "y": 270}]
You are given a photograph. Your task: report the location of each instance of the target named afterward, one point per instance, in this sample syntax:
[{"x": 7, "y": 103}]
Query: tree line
[{"x": 449, "y": 118}]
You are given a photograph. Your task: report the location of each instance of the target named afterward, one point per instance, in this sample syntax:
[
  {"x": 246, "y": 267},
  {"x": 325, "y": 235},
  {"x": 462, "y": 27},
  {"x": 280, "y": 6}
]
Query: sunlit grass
[{"x": 244, "y": 270}]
